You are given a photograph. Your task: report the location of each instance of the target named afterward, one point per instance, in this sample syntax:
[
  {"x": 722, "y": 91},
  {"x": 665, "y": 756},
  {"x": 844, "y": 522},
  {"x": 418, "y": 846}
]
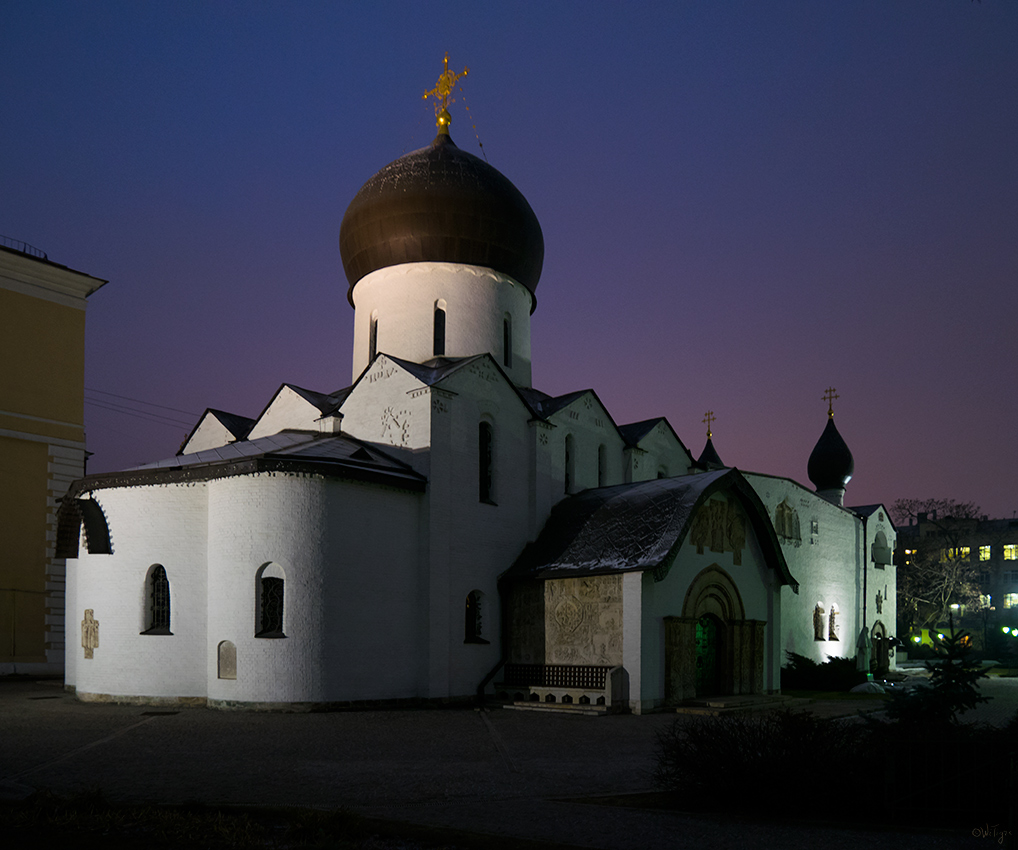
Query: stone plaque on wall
[{"x": 583, "y": 620}]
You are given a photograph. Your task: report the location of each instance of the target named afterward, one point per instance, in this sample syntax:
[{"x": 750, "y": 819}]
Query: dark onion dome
[
  {"x": 830, "y": 464},
  {"x": 441, "y": 204},
  {"x": 709, "y": 456}
]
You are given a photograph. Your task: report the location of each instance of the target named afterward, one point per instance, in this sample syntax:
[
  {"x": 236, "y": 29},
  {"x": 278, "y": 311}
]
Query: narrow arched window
[
  {"x": 602, "y": 466},
  {"x": 570, "y": 460},
  {"x": 507, "y": 341},
  {"x": 473, "y": 626},
  {"x": 439, "y": 346},
  {"x": 270, "y": 588},
  {"x": 373, "y": 338},
  {"x": 157, "y": 602},
  {"x": 485, "y": 452}
]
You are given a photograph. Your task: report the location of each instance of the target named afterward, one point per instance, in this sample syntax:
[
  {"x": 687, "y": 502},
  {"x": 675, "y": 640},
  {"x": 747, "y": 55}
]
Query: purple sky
[{"x": 742, "y": 204}]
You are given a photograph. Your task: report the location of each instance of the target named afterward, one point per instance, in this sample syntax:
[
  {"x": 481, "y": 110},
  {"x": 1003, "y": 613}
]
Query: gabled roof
[
  {"x": 323, "y": 401},
  {"x": 433, "y": 371},
  {"x": 638, "y": 526},
  {"x": 238, "y": 426},
  {"x": 869, "y": 510},
  {"x": 636, "y": 431}
]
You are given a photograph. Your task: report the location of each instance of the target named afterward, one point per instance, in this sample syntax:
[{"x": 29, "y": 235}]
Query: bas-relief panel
[
  {"x": 720, "y": 527},
  {"x": 583, "y": 620}
]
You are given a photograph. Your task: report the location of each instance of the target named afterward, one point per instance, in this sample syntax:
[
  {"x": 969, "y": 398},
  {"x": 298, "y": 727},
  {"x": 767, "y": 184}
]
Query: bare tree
[{"x": 937, "y": 571}]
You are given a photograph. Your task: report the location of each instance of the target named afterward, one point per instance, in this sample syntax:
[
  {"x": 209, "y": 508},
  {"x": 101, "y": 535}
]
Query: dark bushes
[
  {"x": 804, "y": 674},
  {"x": 769, "y": 761}
]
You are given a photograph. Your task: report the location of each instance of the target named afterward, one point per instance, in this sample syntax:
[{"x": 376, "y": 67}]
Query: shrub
[
  {"x": 804, "y": 674},
  {"x": 758, "y": 761}
]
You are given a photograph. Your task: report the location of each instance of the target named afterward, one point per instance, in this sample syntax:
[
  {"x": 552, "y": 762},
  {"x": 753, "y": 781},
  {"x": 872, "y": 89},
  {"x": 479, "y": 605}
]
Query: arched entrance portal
[{"x": 712, "y": 649}]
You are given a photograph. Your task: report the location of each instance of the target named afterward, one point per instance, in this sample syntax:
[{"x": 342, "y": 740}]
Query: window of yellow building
[
  {"x": 1011, "y": 600},
  {"x": 1011, "y": 552},
  {"x": 984, "y": 553}
]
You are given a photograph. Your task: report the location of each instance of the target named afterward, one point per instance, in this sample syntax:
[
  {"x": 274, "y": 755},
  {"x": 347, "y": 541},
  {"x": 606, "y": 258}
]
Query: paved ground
[{"x": 514, "y": 773}]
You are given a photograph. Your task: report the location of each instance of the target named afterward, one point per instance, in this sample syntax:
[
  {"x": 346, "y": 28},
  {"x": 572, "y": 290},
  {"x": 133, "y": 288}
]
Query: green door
[{"x": 707, "y": 678}]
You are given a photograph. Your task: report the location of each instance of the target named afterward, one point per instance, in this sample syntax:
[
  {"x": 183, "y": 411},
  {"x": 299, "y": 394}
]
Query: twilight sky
[{"x": 742, "y": 203}]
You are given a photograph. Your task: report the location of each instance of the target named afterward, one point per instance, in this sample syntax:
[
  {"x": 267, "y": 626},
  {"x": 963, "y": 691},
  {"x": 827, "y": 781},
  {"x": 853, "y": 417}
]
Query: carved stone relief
[
  {"x": 396, "y": 426},
  {"x": 880, "y": 603},
  {"x": 583, "y": 620},
  {"x": 832, "y": 628},
  {"x": 89, "y": 632},
  {"x": 482, "y": 369},
  {"x": 786, "y": 523},
  {"x": 720, "y": 527},
  {"x": 818, "y": 622}
]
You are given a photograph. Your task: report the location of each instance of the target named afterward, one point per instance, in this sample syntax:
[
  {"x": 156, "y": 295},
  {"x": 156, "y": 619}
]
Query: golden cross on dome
[
  {"x": 708, "y": 417},
  {"x": 443, "y": 88},
  {"x": 829, "y": 395}
]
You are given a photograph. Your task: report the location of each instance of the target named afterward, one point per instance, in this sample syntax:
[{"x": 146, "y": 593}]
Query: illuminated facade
[
  {"x": 42, "y": 446},
  {"x": 441, "y": 527}
]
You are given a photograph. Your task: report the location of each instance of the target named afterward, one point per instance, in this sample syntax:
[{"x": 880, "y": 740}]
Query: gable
[{"x": 288, "y": 410}]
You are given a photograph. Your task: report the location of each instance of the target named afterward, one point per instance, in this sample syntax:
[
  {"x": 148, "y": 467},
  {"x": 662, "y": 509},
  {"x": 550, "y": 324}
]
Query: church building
[{"x": 441, "y": 529}]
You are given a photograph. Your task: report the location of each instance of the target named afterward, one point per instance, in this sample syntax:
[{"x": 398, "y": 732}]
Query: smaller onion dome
[
  {"x": 709, "y": 457},
  {"x": 830, "y": 464}
]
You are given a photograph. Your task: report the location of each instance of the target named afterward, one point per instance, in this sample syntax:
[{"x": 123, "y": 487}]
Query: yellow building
[{"x": 42, "y": 446}]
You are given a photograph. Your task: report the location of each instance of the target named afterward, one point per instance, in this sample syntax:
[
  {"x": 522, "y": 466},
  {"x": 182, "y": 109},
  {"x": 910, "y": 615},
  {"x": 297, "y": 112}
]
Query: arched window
[
  {"x": 570, "y": 461},
  {"x": 602, "y": 465},
  {"x": 227, "y": 660},
  {"x": 473, "y": 631},
  {"x": 439, "y": 346},
  {"x": 485, "y": 453},
  {"x": 373, "y": 337},
  {"x": 270, "y": 592},
  {"x": 157, "y": 602},
  {"x": 507, "y": 341}
]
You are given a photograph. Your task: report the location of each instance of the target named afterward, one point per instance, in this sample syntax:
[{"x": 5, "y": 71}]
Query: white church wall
[
  {"x": 826, "y": 561},
  {"x": 477, "y": 540},
  {"x": 590, "y": 427},
  {"x": 390, "y": 406},
  {"x": 402, "y": 299},
  {"x": 210, "y": 434},
  {"x": 288, "y": 409},
  {"x": 149, "y": 525},
  {"x": 661, "y": 455},
  {"x": 352, "y": 596}
]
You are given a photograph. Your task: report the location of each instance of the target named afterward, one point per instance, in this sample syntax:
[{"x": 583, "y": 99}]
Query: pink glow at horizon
[{"x": 742, "y": 205}]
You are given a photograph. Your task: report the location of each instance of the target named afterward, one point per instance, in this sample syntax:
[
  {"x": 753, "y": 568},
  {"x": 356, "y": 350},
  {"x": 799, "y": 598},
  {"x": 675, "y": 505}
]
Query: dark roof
[
  {"x": 334, "y": 455},
  {"x": 553, "y": 404},
  {"x": 239, "y": 426},
  {"x": 636, "y": 527},
  {"x": 636, "y": 431},
  {"x": 323, "y": 401},
  {"x": 441, "y": 204},
  {"x": 709, "y": 458},
  {"x": 830, "y": 464}
]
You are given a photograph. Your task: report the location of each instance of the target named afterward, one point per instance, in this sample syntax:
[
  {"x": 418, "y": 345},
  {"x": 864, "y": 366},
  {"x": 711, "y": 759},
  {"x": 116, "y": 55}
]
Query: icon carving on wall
[{"x": 89, "y": 633}]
